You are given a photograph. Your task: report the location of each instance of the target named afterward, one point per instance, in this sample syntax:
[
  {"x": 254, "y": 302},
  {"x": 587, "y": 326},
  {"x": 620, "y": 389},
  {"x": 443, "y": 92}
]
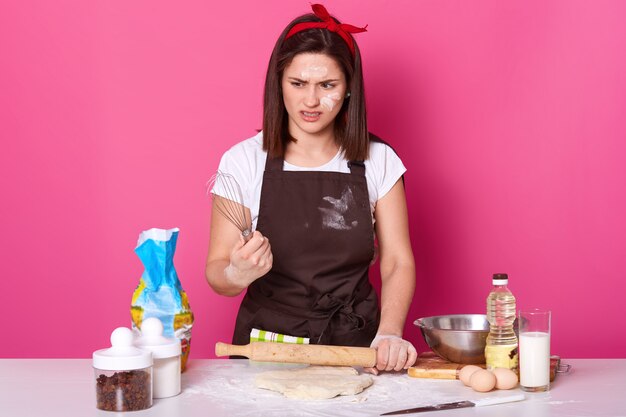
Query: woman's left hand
[{"x": 393, "y": 353}]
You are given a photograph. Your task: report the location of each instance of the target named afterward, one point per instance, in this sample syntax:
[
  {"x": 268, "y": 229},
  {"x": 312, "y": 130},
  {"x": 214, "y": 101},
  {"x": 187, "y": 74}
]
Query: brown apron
[{"x": 320, "y": 227}]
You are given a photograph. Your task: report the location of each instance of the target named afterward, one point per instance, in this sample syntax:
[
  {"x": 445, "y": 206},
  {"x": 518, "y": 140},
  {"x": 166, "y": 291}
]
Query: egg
[
  {"x": 505, "y": 378},
  {"x": 482, "y": 381},
  {"x": 466, "y": 372}
]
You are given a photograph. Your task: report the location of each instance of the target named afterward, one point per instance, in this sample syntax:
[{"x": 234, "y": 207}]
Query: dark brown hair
[{"x": 351, "y": 122}]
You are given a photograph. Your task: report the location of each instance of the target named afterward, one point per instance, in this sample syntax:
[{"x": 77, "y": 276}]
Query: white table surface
[{"x": 222, "y": 387}]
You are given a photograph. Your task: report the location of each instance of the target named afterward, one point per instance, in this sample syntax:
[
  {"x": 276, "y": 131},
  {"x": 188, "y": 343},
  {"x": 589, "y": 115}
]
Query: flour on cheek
[{"x": 329, "y": 101}]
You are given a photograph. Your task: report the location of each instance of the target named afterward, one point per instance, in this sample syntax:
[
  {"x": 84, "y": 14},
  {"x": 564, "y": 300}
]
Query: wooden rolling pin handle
[{"x": 224, "y": 349}]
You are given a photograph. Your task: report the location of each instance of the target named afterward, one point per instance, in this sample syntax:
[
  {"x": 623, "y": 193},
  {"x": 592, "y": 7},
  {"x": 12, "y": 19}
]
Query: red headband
[{"x": 329, "y": 23}]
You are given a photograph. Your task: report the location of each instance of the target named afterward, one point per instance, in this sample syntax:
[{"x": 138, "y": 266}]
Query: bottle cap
[
  {"x": 122, "y": 355},
  {"x": 152, "y": 339},
  {"x": 500, "y": 279}
]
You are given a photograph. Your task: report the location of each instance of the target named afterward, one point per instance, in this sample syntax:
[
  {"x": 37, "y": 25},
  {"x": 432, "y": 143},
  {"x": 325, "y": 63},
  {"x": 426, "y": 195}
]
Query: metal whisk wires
[{"x": 228, "y": 201}]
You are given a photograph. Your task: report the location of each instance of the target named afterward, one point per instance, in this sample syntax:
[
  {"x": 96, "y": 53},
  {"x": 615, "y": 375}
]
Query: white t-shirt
[{"x": 245, "y": 161}]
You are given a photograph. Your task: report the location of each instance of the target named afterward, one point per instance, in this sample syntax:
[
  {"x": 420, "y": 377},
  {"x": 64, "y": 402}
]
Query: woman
[{"x": 315, "y": 185}]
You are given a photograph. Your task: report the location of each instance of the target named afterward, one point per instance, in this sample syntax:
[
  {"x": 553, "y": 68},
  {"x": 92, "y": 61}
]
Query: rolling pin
[{"x": 295, "y": 353}]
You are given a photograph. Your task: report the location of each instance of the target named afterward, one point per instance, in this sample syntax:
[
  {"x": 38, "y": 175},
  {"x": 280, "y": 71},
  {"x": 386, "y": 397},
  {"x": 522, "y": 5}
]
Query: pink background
[{"x": 509, "y": 115}]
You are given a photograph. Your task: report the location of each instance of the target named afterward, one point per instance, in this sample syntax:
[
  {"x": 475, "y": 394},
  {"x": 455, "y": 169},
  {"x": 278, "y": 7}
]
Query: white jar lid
[
  {"x": 152, "y": 339},
  {"x": 122, "y": 355}
]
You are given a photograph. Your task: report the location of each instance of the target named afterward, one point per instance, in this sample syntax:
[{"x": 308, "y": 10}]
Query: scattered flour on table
[
  {"x": 564, "y": 402},
  {"x": 231, "y": 387},
  {"x": 314, "y": 382}
]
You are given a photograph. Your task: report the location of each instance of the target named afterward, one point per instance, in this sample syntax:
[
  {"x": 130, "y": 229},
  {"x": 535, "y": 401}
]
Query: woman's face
[{"x": 314, "y": 88}]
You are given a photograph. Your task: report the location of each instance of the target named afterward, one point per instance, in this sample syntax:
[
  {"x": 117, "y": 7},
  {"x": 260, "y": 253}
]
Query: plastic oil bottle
[{"x": 501, "y": 350}]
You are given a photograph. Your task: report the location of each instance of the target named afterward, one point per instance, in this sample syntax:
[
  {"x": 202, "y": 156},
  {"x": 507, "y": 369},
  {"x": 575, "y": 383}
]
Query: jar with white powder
[{"x": 166, "y": 354}]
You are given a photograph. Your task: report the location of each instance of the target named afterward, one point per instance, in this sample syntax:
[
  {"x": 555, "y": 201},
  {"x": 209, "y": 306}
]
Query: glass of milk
[{"x": 534, "y": 350}]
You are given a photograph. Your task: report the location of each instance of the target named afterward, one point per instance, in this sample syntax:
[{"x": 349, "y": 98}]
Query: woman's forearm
[
  {"x": 398, "y": 287},
  {"x": 220, "y": 278}
]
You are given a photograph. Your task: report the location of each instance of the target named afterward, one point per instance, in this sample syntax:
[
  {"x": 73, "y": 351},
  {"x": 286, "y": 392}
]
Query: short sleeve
[
  {"x": 236, "y": 170},
  {"x": 386, "y": 168}
]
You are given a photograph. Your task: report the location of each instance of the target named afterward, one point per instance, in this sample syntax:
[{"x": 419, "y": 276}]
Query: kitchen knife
[{"x": 460, "y": 404}]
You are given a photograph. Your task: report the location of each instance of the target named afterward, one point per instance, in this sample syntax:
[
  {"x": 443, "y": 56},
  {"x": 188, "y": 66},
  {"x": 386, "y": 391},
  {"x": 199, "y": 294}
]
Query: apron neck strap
[
  {"x": 274, "y": 164},
  {"x": 357, "y": 167}
]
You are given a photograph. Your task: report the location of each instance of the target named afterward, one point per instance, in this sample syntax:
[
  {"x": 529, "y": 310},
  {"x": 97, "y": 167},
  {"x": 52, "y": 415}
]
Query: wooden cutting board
[{"x": 431, "y": 365}]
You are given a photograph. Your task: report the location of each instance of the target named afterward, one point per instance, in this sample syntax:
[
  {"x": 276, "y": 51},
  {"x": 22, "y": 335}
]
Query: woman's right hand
[{"x": 249, "y": 260}]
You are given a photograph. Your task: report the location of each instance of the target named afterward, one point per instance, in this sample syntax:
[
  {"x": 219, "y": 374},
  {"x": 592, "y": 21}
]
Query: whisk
[{"x": 228, "y": 200}]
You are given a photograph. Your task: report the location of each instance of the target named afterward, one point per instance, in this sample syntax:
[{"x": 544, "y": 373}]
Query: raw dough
[{"x": 314, "y": 382}]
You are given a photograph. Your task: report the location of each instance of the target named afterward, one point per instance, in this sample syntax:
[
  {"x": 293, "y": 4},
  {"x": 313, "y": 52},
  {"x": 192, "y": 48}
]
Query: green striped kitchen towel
[{"x": 257, "y": 335}]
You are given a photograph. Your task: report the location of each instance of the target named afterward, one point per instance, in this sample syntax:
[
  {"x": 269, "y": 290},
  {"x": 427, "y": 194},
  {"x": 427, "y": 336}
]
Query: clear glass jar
[
  {"x": 129, "y": 390},
  {"x": 123, "y": 374}
]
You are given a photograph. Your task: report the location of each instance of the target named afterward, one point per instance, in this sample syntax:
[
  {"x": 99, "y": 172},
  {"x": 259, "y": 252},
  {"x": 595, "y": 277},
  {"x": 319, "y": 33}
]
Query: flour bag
[{"x": 159, "y": 293}]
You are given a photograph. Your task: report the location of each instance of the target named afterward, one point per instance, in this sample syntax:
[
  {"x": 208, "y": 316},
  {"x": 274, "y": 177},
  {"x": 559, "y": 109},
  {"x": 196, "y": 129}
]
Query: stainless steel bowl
[{"x": 459, "y": 338}]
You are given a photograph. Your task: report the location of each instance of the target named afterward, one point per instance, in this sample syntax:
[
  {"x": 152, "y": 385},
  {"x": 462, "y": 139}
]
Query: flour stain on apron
[{"x": 333, "y": 218}]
